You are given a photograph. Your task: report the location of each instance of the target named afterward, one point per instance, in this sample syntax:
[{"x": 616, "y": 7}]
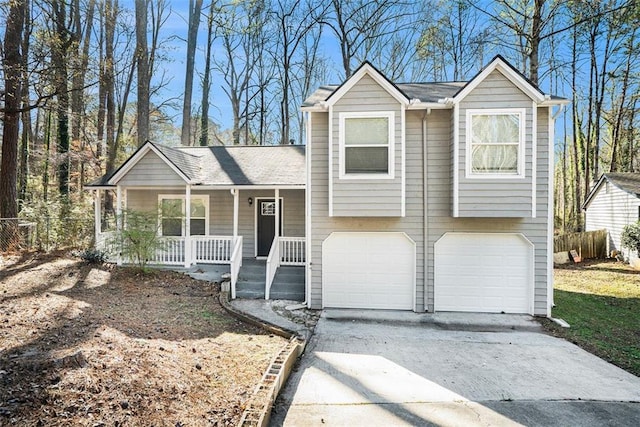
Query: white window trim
[
  {"x": 522, "y": 113},
  {"x": 389, "y": 115},
  {"x": 203, "y": 197}
]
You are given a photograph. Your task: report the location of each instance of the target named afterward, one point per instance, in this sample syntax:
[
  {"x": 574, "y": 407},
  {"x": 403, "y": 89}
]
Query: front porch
[{"x": 279, "y": 276}]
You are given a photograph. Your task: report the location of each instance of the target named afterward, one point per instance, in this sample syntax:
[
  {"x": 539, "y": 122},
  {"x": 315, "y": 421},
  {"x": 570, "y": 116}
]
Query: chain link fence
[
  {"x": 46, "y": 233},
  {"x": 17, "y": 235}
]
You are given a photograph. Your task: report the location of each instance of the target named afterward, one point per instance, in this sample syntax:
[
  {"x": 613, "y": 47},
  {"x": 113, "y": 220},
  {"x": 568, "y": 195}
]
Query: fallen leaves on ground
[{"x": 95, "y": 345}]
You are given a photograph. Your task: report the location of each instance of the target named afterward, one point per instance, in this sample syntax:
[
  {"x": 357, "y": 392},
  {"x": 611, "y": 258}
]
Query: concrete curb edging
[{"x": 258, "y": 409}]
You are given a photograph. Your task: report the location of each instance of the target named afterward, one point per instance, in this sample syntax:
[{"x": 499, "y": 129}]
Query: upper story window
[
  {"x": 173, "y": 217},
  {"x": 495, "y": 143},
  {"x": 366, "y": 145}
]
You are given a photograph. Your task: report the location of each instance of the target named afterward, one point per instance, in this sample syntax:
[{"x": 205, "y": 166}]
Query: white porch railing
[
  {"x": 273, "y": 262},
  {"x": 284, "y": 251},
  {"x": 170, "y": 251},
  {"x": 236, "y": 263},
  {"x": 212, "y": 249},
  {"x": 292, "y": 251},
  {"x": 106, "y": 243}
]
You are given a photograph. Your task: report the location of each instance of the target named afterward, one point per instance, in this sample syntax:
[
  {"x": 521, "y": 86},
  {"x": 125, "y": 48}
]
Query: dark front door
[{"x": 266, "y": 225}]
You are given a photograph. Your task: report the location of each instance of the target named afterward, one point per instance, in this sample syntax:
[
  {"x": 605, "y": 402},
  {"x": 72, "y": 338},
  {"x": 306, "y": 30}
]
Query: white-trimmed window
[
  {"x": 173, "y": 215},
  {"x": 366, "y": 144},
  {"x": 495, "y": 143}
]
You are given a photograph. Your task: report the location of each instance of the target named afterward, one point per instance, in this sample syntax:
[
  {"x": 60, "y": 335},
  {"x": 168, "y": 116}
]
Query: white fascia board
[
  {"x": 98, "y": 187},
  {"x": 593, "y": 192},
  {"x": 552, "y": 102},
  {"x": 133, "y": 160},
  {"x": 509, "y": 73},
  {"x": 249, "y": 187},
  {"x": 428, "y": 106},
  {"x": 367, "y": 69},
  {"x": 317, "y": 108}
]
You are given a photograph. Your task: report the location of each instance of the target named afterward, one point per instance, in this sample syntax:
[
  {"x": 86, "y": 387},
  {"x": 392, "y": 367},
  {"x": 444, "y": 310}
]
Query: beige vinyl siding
[
  {"x": 151, "y": 170},
  {"x": 501, "y": 197},
  {"x": 323, "y": 225},
  {"x": 439, "y": 219},
  {"x": 611, "y": 211},
  {"x": 221, "y": 211},
  {"x": 367, "y": 197}
]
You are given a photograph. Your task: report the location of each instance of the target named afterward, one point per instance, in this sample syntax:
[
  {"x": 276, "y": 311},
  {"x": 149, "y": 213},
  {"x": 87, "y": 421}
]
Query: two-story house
[
  {"x": 431, "y": 196},
  {"x": 416, "y": 196}
]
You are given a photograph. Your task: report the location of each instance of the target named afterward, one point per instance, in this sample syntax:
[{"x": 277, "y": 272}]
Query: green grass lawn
[{"x": 601, "y": 302}]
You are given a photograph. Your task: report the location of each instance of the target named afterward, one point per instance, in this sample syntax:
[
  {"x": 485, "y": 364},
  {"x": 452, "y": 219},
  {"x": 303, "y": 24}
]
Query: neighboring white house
[
  {"x": 613, "y": 203},
  {"x": 409, "y": 196}
]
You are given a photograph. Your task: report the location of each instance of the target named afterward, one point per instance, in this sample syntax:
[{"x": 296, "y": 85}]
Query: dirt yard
[{"x": 90, "y": 345}]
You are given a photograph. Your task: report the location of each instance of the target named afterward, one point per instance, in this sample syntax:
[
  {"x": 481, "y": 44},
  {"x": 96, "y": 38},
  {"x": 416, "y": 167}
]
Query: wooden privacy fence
[{"x": 589, "y": 244}]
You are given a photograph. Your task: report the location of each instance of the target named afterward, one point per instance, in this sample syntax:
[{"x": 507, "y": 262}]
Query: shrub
[
  {"x": 93, "y": 256},
  {"x": 139, "y": 238},
  {"x": 631, "y": 237}
]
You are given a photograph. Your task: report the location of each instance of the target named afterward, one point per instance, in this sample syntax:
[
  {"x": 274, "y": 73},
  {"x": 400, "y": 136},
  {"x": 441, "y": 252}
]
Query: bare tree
[
  {"x": 359, "y": 25},
  {"x": 62, "y": 40},
  {"x": 12, "y": 64},
  {"x": 144, "y": 71},
  {"x": 195, "y": 8},
  {"x": 206, "y": 78},
  {"x": 295, "y": 20}
]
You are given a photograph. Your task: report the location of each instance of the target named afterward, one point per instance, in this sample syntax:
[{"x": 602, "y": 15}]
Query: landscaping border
[{"x": 258, "y": 410}]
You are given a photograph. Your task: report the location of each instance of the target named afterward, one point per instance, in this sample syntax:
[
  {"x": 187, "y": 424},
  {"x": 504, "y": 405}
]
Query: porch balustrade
[
  {"x": 171, "y": 250},
  {"x": 284, "y": 251}
]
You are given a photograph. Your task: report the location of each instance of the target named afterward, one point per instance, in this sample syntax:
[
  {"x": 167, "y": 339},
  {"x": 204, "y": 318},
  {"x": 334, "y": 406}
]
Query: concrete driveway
[{"x": 393, "y": 371}]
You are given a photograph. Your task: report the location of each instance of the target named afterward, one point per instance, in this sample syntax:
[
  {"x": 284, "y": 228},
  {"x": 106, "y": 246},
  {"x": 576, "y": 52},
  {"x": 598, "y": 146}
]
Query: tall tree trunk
[
  {"x": 27, "y": 128},
  {"x": 59, "y": 63},
  {"x": 577, "y": 208},
  {"x": 142, "y": 60},
  {"x": 81, "y": 66},
  {"x": 195, "y": 8},
  {"x": 12, "y": 63},
  {"x": 206, "y": 80}
]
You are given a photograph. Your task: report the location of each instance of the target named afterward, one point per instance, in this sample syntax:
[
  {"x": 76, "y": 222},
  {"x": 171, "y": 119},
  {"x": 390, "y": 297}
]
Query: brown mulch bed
[{"x": 92, "y": 345}]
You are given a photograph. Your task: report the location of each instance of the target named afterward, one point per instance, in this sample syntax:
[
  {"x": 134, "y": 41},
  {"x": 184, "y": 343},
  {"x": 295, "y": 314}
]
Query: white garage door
[
  {"x": 368, "y": 270},
  {"x": 483, "y": 272}
]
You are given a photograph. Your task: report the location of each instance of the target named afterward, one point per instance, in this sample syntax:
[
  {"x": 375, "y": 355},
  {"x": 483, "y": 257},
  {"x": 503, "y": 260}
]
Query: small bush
[
  {"x": 630, "y": 237},
  {"x": 93, "y": 256}
]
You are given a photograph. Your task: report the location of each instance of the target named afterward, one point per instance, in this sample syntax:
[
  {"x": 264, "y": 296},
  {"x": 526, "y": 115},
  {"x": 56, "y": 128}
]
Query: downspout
[
  {"x": 308, "y": 275},
  {"x": 119, "y": 219},
  {"x": 425, "y": 194}
]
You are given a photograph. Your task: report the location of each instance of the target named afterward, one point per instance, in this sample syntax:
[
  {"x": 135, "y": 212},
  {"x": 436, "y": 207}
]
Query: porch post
[
  {"x": 97, "y": 212},
  {"x": 187, "y": 227},
  {"x": 119, "y": 220},
  {"x": 236, "y": 198},
  {"x": 277, "y": 198}
]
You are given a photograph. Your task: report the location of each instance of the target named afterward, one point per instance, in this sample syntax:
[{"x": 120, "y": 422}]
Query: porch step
[
  {"x": 288, "y": 284},
  {"x": 251, "y": 279}
]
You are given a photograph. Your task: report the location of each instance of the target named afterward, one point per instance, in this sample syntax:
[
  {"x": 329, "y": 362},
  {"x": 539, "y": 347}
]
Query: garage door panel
[
  {"x": 483, "y": 272},
  {"x": 368, "y": 270}
]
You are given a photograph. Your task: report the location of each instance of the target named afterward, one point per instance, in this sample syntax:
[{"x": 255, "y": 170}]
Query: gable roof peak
[
  {"x": 366, "y": 68},
  {"x": 510, "y": 72}
]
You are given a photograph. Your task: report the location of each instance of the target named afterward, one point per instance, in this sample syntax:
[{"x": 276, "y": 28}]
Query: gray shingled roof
[
  {"x": 425, "y": 92},
  {"x": 279, "y": 165},
  {"x": 251, "y": 165},
  {"x": 186, "y": 162},
  {"x": 626, "y": 181}
]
